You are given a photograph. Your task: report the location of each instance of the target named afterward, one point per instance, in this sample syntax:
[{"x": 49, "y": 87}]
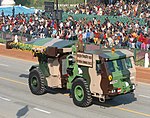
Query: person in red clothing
[
  {"x": 30, "y": 20},
  {"x": 98, "y": 22},
  {"x": 145, "y": 41},
  {"x": 139, "y": 41},
  {"x": 1, "y": 25},
  {"x": 148, "y": 44},
  {"x": 55, "y": 26}
]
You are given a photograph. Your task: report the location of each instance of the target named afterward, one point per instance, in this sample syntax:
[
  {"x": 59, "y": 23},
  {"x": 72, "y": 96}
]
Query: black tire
[
  {"x": 36, "y": 82},
  {"x": 86, "y": 98}
]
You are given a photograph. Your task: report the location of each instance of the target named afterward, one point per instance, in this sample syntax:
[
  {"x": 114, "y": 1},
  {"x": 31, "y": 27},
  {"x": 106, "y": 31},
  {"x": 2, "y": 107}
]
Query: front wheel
[
  {"x": 36, "y": 82},
  {"x": 81, "y": 93}
]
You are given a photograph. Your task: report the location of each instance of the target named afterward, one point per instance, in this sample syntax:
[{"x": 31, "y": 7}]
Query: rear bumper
[{"x": 115, "y": 91}]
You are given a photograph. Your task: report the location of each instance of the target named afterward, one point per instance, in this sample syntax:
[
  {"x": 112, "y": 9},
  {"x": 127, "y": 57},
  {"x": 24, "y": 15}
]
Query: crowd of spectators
[
  {"x": 120, "y": 8},
  {"x": 105, "y": 34}
]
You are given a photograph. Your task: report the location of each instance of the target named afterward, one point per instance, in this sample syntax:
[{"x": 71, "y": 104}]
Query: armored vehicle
[{"x": 92, "y": 73}]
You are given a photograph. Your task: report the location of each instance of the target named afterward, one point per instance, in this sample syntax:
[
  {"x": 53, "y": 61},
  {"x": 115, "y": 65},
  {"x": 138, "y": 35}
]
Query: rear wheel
[
  {"x": 36, "y": 82},
  {"x": 81, "y": 93}
]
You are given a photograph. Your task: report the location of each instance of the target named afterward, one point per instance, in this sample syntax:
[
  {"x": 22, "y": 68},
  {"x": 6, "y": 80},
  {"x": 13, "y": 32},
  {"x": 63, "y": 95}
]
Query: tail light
[
  {"x": 66, "y": 75},
  {"x": 119, "y": 90}
]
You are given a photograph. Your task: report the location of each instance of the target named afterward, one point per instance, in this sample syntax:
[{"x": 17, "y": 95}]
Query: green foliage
[
  {"x": 22, "y": 46},
  {"x": 23, "y": 2},
  {"x": 2, "y": 40}
]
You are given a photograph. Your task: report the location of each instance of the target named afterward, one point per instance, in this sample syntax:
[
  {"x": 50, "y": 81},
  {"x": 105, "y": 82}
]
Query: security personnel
[{"x": 80, "y": 44}]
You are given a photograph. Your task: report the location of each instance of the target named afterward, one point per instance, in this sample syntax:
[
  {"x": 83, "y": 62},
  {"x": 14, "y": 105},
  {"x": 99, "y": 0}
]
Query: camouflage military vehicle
[{"x": 92, "y": 73}]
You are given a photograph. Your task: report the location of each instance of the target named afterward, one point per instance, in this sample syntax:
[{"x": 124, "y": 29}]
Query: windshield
[
  {"x": 110, "y": 66},
  {"x": 128, "y": 63},
  {"x": 98, "y": 66},
  {"x": 119, "y": 64}
]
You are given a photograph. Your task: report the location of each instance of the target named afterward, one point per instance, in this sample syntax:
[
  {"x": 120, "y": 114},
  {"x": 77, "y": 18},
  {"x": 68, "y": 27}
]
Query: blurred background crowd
[{"x": 107, "y": 33}]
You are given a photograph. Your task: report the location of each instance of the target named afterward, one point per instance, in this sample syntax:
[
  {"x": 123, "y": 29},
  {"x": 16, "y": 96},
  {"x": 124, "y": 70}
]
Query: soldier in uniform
[{"x": 80, "y": 44}]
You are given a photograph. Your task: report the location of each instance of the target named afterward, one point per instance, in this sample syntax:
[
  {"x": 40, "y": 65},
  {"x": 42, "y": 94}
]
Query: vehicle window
[
  {"x": 98, "y": 66},
  {"x": 71, "y": 60},
  {"x": 64, "y": 66},
  {"x": 128, "y": 63},
  {"x": 110, "y": 66},
  {"x": 119, "y": 65}
]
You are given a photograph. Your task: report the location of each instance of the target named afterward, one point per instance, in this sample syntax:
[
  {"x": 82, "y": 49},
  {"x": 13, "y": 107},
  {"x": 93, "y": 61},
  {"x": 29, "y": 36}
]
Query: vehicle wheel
[
  {"x": 36, "y": 82},
  {"x": 81, "y": 93}
]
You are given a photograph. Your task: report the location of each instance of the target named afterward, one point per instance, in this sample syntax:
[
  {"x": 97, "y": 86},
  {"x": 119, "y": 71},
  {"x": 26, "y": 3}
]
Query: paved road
[{"x": 16, "y": 100}]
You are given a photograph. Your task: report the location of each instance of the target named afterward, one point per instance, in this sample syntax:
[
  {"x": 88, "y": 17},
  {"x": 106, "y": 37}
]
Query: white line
[
  {"x": 5, "y": 99},
  {"x": 11, "y": 80},
  {"x": 42, "y": 110},
  {"x": 144, "y": 96},
  {"x": 4, "y": 65}
]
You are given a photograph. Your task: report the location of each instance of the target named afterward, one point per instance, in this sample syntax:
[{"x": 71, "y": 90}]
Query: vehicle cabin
[{"x": 113, "y": 70}]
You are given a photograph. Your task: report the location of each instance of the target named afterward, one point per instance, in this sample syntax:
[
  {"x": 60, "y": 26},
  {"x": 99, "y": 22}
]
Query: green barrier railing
[{"x": 113, "y": 19}]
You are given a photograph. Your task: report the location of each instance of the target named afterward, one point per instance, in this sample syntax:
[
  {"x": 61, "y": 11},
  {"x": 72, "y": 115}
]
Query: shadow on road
[
  {"x": 24, "y": 76},
  {"x": 57, "y": 91},
  {"x": 116, "y": 101},
  {"x": 23, "y": 111}
]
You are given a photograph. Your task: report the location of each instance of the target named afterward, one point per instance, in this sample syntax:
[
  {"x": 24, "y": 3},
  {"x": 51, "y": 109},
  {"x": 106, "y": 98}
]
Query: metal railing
[{"x": 11, "y": 36}]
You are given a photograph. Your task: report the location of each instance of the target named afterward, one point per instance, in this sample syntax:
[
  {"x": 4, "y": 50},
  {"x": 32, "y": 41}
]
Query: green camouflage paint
[
  {"x": 121, "y": 76},
  {"x": 43, "y": 64},
  {"x": 86, "y": 76},
  {"x": 75, "y": 72}
]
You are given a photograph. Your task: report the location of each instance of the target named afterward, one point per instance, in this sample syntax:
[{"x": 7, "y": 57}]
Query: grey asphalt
[{"x": 16, "y": 100}]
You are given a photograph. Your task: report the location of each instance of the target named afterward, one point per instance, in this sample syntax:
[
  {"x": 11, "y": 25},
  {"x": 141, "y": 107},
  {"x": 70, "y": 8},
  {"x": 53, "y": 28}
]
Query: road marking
[
  {"x": 41, "y": 110},
  {"x": 3, "y": 65},
  {"x": 66, "y": 94},
  {"x": 10, "y": 80},
  {"x": 132, "y": 111},
  {"x": 116, "y": 107},
  {"x": 144, "y": 96},
  {"x": 124, "y": 109},
  {"x": 5, "y": 99},
  {"x": 127, "y": 110}
]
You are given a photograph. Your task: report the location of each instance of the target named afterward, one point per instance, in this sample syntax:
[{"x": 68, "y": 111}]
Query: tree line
[{"x": 40, "y": 3}]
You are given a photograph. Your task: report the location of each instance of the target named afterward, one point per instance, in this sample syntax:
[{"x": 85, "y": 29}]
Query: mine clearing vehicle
[{"x": 92, "y": 73}]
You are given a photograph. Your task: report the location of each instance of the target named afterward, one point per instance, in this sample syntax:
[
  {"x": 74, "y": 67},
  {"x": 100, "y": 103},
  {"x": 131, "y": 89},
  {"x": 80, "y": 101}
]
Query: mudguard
[{"x": 32, "y": 67}]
